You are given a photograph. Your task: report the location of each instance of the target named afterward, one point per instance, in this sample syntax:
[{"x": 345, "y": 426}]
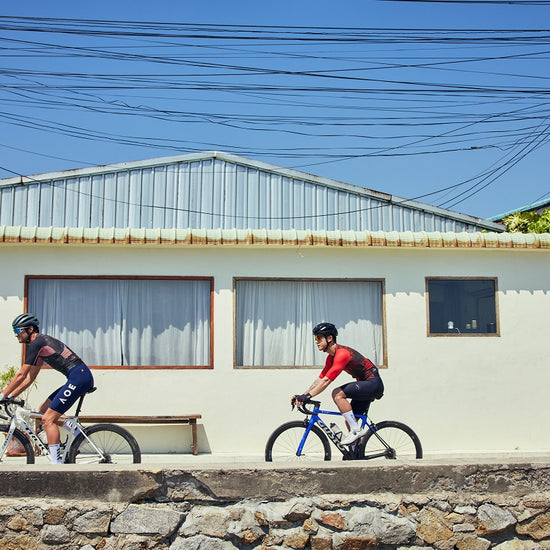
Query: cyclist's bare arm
[
  {"x": 319, "y": 384},
  {"x": 22, "y": 380}
]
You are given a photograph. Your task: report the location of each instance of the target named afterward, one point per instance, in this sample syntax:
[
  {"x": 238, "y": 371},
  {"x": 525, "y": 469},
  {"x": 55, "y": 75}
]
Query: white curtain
[
  {"x": 275, "y": 320},
  {"x": 127, "y": 322}
]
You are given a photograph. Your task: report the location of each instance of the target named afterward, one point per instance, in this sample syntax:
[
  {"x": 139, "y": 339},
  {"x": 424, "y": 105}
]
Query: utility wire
[{"x": 334, "y": 94}]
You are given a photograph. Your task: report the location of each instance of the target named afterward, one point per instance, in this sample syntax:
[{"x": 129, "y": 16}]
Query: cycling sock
[
  {"x": 70, "y": 426},
  {"x": 55, "y": 454},
  {"x": 350, "y": 419}
]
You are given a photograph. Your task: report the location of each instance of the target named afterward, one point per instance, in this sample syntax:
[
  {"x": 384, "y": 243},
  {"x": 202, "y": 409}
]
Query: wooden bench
[{"x": 190, "y": 419}]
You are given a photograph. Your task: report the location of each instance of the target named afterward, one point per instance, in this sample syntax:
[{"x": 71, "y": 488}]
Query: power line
[
  {"x": 509, "y": 2},
  {"x": 332, "y": 94}
]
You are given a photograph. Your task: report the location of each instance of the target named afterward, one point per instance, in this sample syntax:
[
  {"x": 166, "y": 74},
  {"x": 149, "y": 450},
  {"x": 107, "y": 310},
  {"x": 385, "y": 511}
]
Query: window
[
  {"x": 274, "y": 319},
  {"x": 127, "y": 322},
  {"x": 464, "y": 307}
]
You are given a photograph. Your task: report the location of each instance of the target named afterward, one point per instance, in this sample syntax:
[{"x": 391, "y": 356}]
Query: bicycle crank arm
[{"x": 378, "y": 455}]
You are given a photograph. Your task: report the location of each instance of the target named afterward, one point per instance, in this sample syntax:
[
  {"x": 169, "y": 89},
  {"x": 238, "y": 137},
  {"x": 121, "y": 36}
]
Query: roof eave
[{"x": 14, "y": 235}]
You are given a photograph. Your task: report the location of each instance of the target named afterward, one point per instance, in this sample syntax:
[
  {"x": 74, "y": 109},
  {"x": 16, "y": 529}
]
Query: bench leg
[{"x": 195, "y": 446}]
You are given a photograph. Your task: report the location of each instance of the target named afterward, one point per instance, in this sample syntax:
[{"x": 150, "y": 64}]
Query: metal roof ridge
[{"x": 103, "y": 168}]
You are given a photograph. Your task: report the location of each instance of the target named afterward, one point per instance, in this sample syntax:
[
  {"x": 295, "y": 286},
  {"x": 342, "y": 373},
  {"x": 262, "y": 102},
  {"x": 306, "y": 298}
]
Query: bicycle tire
[
  {"x": 19, "y": 436},
  {"x": 283, "y": 444},
  {"x": 403, "y": 441},
  {"x": 117, "y": 444}
]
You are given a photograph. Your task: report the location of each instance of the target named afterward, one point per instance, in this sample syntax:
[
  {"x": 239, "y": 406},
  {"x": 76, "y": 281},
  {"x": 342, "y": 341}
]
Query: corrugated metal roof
[
  {"x": 542, "y": 204},
  {"x": 214, "y": 190},
  {"x": 273, "y": 237}
]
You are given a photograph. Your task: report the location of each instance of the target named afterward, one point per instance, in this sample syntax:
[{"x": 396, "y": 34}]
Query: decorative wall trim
[{"x": 267, "y": 237}]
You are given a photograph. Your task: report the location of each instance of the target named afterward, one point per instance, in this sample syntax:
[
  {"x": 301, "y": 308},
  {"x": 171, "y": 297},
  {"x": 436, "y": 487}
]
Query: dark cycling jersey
[
  {"x": 351, "y": 361},
  {"x": 46, "y": 349}
]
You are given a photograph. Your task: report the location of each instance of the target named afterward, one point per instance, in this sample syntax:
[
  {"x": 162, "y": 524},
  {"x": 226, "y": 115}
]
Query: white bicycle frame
[{"x": 18, "y": 421}]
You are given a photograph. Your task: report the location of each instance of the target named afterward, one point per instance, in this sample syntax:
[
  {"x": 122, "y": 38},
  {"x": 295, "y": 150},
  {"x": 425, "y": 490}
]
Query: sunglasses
[
  {"x": 18, "y": 331},
  {"x": 318, "y": 337}
]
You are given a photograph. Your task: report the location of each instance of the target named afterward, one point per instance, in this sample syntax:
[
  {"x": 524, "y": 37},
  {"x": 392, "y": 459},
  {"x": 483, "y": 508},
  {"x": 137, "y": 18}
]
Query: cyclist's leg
[
  {"x": 340, "y": 397},
  {"x": 364, "y": 390},
  {"x": 358, "y": 391},
  {"x": 49, "y": 420},
  {"x": 360, "y": 406},
  {"x": 79, "y": 381},
  {"x": 368, "y": 391},
  {"x": 42, "y": 409}
]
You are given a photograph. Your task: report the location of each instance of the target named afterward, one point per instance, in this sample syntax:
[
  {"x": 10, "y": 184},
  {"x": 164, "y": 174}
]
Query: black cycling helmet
[
  {"x": 325, "y": 329},
  {"x": 25, "y": 320}
]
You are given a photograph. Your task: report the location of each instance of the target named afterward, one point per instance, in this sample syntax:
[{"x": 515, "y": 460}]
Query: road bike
[
  {"x": 99, "y": 443},
  {"x": 308, "y": 439}
]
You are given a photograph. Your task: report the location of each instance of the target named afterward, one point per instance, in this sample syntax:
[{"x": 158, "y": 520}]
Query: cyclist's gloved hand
[
  {"x": 12, "y": 401},
  {"x": 304, "y": 398}
]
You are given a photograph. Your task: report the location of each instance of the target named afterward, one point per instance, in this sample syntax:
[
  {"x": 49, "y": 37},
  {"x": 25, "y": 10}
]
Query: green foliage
[
  {"x": 528, "y": 222},
  {"x": 7, "y": 375}
]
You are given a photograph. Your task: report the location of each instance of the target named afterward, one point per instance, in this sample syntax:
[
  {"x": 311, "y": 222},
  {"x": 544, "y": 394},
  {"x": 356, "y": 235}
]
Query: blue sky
[{"x": 445, "y": 103}]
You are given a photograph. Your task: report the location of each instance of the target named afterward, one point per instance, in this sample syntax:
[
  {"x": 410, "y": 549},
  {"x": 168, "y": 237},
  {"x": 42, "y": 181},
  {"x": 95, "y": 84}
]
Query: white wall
[{"x": 459, "y": 394}]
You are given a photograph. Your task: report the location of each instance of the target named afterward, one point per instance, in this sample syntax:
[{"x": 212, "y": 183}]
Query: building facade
[{"x": 217, "y": 320}]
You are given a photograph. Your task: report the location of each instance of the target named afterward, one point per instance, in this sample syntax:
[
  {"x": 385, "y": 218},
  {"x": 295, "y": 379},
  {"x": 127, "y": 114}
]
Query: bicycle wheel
[
  {"x": 283, "y": 443},
  {"x": 402, "y": 442},
  {"x": 23, "y": 454},
  {"x": 117, "y": 445}
]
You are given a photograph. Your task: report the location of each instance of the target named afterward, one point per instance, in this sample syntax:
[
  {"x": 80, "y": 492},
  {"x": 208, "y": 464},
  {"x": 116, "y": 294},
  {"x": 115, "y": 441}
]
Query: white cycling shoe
[{"x": 354, "y": 436}]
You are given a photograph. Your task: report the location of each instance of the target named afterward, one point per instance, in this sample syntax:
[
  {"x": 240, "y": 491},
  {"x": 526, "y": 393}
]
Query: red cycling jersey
[{"x": 351, "y": 361}]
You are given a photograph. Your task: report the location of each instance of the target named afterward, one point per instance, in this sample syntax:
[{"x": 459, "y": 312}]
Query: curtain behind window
[
  {"x": 123, "y": 322},
  {"x": 275, "y": 320}
]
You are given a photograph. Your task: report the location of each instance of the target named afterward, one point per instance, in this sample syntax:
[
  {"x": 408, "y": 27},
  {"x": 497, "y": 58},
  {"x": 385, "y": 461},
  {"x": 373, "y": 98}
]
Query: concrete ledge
[
  {"x": 65, "y": 483},
  {"x": 267, "y": 481}
]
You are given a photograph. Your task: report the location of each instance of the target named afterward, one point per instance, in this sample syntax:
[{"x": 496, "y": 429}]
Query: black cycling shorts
[{"x": 363, "y": 392}]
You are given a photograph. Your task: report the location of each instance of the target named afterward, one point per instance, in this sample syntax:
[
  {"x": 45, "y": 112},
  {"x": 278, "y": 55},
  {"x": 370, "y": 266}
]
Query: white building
[{"x": 191, "y": 285}]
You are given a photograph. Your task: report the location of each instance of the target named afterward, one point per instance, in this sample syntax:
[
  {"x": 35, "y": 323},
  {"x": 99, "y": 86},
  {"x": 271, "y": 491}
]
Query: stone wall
[
  {"x": 443, "y": 521},
  {"x": 508, "y": 508}
]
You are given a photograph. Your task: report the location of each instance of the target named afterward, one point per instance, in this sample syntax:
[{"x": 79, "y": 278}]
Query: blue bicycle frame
[
  {"x": 350, "y": 453},
  {"x": 386, "y": 439}
]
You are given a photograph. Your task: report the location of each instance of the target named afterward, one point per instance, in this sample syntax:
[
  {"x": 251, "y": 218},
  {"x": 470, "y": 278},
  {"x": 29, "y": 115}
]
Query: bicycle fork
[{"x": 8, "y": 438}]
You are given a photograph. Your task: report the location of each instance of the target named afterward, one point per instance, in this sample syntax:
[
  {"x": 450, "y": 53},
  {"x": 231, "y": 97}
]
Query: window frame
[
  {"x": 210, "y": 366},
  {"x": 495, "y": 334},
  {"x": 380, "y": 280}
]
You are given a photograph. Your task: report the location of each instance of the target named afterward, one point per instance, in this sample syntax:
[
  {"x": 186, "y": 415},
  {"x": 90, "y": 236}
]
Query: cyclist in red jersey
[{"x": 368, "y": 384}]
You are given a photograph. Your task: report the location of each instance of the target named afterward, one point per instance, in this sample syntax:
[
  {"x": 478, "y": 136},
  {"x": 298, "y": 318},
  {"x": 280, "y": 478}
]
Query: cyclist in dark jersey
[
  {"x": 41, "y": 349},
  {"x": 368, "y": 384}
]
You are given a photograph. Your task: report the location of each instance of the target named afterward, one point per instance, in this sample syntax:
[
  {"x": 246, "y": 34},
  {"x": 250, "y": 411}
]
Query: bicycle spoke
[
  {"x": 19, "y": 449},
  {"x": 114, "y": 444},
  {"x": 283, "y": 445},
  {"x": 393, "y": 440}
]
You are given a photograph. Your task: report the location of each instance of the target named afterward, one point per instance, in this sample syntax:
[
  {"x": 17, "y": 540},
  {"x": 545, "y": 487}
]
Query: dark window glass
[{"x": 462, "y": 306}]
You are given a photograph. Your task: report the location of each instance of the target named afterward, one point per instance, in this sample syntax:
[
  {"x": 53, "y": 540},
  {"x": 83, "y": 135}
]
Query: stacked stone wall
[
  {"x": 505, "y": 508},
  {"x": 329, "y": 522}
]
